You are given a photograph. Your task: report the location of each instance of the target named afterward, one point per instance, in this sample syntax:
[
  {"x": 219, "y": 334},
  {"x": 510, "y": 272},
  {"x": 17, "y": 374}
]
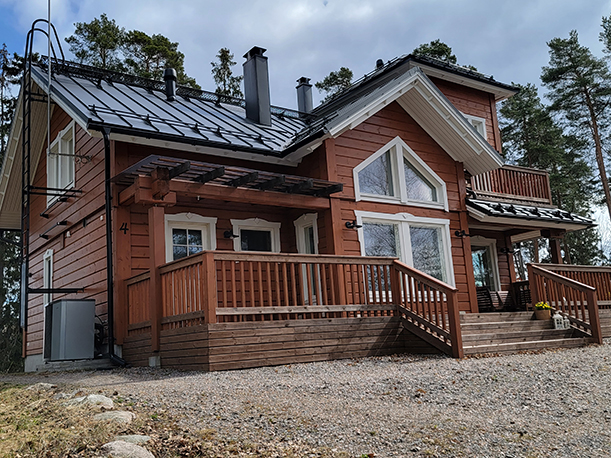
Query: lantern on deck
[
  {"x": 558, "y": 321},
  {"x": 567, "y": 322}
]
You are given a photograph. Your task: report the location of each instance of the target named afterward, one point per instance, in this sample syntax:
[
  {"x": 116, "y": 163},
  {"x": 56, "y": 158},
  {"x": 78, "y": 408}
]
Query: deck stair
[{"x": 513, "y": 332}]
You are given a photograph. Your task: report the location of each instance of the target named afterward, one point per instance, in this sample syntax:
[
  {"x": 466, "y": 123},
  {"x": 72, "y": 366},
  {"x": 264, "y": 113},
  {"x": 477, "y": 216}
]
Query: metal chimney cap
[
  {"x": 303, "y": 80},
  {"x": 255, "y": 51},
  {"x": 379, "y": 63},
  {"x": 170, "y": 73}
]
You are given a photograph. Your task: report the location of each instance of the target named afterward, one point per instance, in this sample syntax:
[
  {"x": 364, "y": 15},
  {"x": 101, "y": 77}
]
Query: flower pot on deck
[{"x": 543, "y": 314}]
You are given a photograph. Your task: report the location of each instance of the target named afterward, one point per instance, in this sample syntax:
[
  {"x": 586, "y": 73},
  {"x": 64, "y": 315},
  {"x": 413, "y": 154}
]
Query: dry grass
[{"x": 37, "y": 424}]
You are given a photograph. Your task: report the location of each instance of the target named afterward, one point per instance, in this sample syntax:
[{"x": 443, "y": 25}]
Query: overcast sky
[{"x": 506, "y": 39}]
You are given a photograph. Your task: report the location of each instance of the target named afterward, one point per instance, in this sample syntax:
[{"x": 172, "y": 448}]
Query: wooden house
[{"x": 215, "y": 233}]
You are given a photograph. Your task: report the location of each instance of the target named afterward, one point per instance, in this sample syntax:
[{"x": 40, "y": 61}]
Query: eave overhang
[
  {"x": 526, "y": 216},
  {"x": 421, "y": 99}
]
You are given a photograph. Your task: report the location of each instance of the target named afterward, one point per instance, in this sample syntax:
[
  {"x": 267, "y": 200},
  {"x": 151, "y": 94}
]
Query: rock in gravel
[
  {"x": 94, "y": 400},
  {"x": 40, "y": 387},
  {"x": 116, "y": 416},
  {"x": 122, "y": 449},
  {"x": 134, "y": 439}
]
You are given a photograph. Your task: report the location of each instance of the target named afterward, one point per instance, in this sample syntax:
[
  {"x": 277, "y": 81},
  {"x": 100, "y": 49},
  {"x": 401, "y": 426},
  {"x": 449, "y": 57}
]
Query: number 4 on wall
[{"x": 124, "y": 228}]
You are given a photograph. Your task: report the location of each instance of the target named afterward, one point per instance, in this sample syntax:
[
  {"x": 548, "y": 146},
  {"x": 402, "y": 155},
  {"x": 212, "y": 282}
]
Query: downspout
[{"x": 109, "y": 266}]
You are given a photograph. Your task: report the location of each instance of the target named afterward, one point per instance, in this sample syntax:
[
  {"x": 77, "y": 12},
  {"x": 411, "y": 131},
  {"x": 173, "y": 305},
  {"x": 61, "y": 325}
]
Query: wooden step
[
  {"x": 508, "y": 326},
  {"x": 514, "y": 347},
  {"x": 496, "y": 317},
  {"x": 500, "y": 337}
]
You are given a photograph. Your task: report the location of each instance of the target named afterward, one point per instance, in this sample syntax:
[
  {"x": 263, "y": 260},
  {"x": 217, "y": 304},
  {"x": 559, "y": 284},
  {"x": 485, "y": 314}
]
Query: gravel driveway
[{"x": 551, "y": 404}]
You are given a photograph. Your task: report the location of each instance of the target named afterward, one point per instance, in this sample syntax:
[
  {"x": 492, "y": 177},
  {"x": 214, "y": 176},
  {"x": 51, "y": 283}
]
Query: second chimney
[
  {"x": 169, "y": 75},
  {"x": 304, "y": 95},
  {"x": 256, "y": 87}
]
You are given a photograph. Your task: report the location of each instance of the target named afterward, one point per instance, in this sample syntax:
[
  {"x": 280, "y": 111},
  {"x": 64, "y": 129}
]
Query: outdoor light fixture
[
  {"x": 461, "y": 234},
  {"x": 353, "y": 225},
  {"x": 229, "y": 235},
  {"x": 505, "y": 250}
]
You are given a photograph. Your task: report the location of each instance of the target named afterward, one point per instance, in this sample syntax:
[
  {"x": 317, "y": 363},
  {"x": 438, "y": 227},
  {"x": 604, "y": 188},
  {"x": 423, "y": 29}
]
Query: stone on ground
[
  {"x": 122, "y": 449},
  {"x": 94, "y": 400},
  {"x": 117, "y": 416},
  {"x": 134, "y": 438}
]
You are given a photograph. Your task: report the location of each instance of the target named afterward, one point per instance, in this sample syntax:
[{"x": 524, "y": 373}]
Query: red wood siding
[
  {"x": 356, "y": 145},
  {"x": 79, "y": 260},
  {"x": 475, "y": 103}
]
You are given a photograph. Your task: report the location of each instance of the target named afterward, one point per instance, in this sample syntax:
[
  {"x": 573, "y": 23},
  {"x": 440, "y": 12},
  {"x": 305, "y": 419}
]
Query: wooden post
[
  {"x": 123, "y": 269},
  {"x": 466, "y": 243},
  {"x": 156, "y": 259},
  {"x": 594, "y": 318},
  {"x": 532, "y": 284},
  {"x": 454, "y": 319},
  {"x": 554, "y": 247},
  {"x": 395, "y": 286},
  {"x": 209, "y": 286}
]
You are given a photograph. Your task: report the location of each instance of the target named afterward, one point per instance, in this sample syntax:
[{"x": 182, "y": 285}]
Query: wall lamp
[
  {"x": 353, "y": 225},
  {"x": 505, "y": 250},
  {"x": 461, "y": 234},
  {"x": 230, "y": 235}
]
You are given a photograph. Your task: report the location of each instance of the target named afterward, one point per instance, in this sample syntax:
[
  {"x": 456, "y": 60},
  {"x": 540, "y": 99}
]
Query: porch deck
[{"x": 225, "y": 310}]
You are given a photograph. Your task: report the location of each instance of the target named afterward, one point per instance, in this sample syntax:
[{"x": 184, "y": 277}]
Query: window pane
[
  {"x": 179, "y": 236},
  {"x": 309, "y": 237},
  {"x": 256, "y": 240},
  {"x": 195, "y": 237},
  {"x": 376, "y": 178},
  {"x": 381, "y": 239},
  {"x": 195, "y": 249},
  {"x": 482, "y": 267},
  {"x": 427, "y": 251},
  {"x": 179, "y": 252},
  {"x": 418, "y": 187}
]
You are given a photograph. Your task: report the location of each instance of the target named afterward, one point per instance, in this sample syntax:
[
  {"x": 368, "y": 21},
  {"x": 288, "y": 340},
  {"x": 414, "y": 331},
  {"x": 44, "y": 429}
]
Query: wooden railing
[
  {"x": 431, "y": 307},
  {"x": 138, "y": 309},
  {"x": 511, "y": 182},
  {"x": 219, "y": 286},
  {"x": 599, "y": 277},
  {"x": 573, "y": 299}
]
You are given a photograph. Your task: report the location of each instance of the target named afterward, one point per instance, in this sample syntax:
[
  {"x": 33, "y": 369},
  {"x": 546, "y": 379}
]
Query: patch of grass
[{"x": 35, "y": 424}]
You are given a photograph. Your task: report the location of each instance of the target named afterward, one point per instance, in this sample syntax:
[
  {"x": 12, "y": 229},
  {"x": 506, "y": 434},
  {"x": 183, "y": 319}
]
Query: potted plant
[{"x": 543, "y": 311}]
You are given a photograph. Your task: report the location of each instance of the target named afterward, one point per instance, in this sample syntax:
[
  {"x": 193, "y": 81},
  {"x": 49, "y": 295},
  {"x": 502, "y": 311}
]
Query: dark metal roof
[
  {"x": 203, "y": 172},
  {"x": 528, "y": 212},
  {"x": 138, "y": 106},
  {"x": 380, "y": 76}
]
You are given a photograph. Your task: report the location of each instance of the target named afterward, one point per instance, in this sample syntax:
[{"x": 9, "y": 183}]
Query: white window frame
[
  {"x": 399, "y": 150},
  {"x": 480, "y": 241},
  {"x": 302, "y": 223},
  {"x": 47, "y": 276},
  {"x": 55, "y": 161},
  {"x": 404, "y": 222},
  {"x": 479, "y": 124},
  {"x": 189, "y": 221},
  {"x": 255, "y": 224}
]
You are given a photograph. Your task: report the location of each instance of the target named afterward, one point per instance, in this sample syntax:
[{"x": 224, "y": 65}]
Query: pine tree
[
  {"x": 98, "y": 43},
  {"x": 532, "y": 138},
  {"x": 148, "y": 56},
  {"x": 335, "y": 82},
  {"x": 10, "y": 333},
  {"x": 226, "y": 83},
  {"x": 580, "y": 91},
  {"x": 439, "y": 50}
]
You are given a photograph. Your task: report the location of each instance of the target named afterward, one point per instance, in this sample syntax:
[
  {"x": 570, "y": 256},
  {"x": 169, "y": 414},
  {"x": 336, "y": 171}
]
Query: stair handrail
[
  {"x": 539, "y": 294},
  {"x": 452, "y": 329}
]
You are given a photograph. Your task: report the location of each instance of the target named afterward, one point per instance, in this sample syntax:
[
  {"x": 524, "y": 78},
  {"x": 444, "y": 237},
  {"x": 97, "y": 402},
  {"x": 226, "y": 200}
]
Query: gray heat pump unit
[{"x": 69, "y": 330}]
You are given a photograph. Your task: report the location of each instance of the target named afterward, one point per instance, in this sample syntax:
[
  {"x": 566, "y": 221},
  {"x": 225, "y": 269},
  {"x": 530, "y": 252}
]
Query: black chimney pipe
[
  {"x": 304, "y": 95},
  {"x": 170, "y": 78},
  {"x": 256, "y": 87}
]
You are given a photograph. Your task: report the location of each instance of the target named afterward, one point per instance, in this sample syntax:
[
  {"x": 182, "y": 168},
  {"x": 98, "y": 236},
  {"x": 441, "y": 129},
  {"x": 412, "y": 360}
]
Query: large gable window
[
  {"x": 423, "y": 243},
  {"x": 60, "y": 162},
  {"x": 396, "y": 174}
]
